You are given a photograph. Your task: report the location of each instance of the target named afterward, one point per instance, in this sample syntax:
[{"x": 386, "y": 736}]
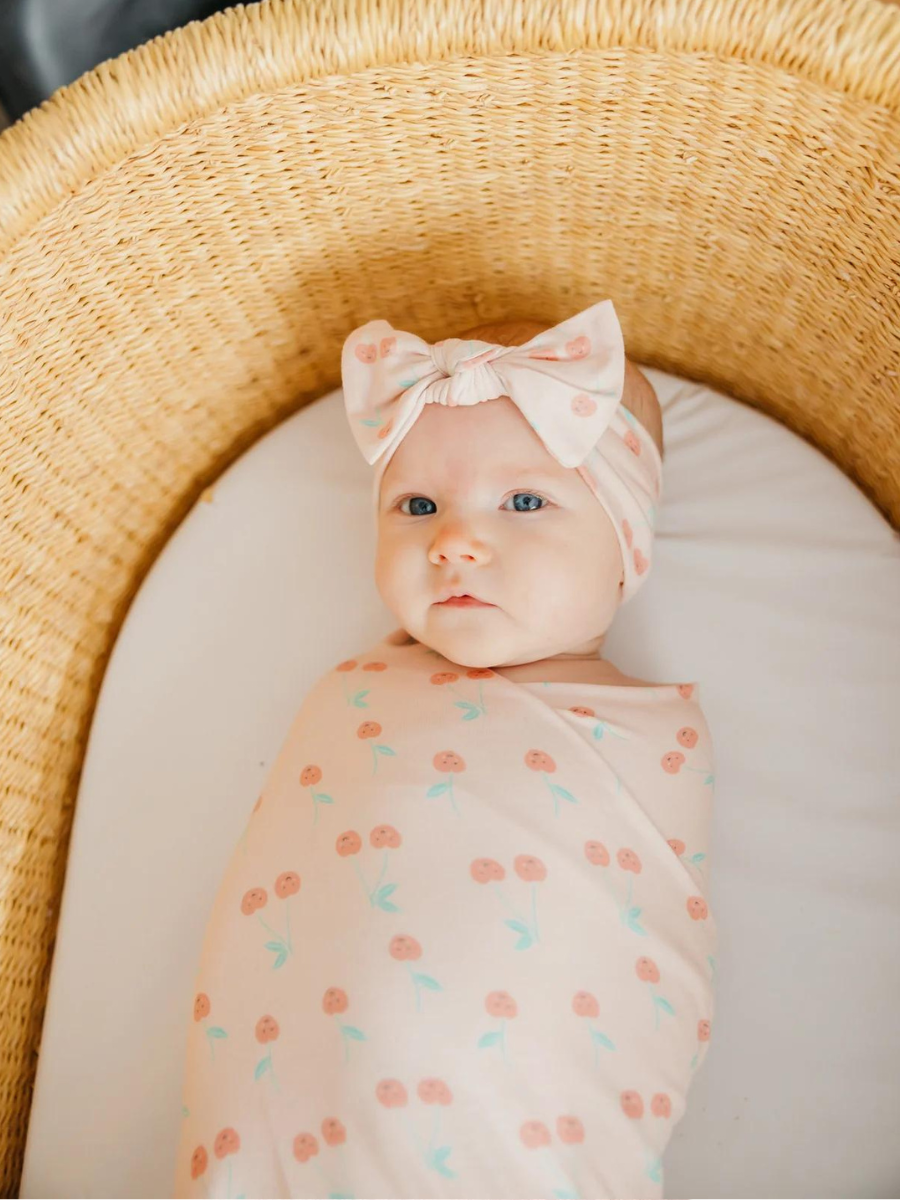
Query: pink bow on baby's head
[{"x": 566, "y": 381}]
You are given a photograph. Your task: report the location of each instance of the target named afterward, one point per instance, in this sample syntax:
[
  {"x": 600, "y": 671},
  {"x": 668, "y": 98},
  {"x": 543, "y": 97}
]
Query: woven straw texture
[{"x": 189, "y": 232}]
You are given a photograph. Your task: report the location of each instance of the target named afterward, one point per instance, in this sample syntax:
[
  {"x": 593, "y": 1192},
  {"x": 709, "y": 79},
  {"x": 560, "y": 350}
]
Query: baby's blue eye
[{"x": 416, "y": 500}]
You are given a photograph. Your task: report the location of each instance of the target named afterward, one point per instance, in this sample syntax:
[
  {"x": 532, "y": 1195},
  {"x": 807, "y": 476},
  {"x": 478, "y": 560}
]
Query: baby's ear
[{"x": 639, "y": 397}]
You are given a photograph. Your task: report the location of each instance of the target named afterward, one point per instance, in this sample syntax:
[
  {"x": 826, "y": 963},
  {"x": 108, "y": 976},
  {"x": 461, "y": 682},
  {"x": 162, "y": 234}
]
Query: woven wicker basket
[{"x": 188, "y": 233}]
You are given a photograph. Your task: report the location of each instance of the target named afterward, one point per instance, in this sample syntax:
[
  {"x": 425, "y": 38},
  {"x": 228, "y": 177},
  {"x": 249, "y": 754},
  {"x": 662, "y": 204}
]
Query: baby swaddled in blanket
[{"x": 464, "y": 946}]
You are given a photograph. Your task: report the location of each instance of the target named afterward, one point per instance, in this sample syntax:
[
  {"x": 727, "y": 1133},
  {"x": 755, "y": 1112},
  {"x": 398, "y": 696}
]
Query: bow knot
[{"x": 566, "y": 381}]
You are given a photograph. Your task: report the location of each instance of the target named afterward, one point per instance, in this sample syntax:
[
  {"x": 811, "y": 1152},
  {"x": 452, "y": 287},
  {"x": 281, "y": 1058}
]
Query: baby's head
[{"x": 472, "y": 501}]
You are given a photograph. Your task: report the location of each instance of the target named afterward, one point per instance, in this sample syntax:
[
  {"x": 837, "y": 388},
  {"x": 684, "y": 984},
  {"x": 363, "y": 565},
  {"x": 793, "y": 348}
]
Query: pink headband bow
[{"x": 566, "y": 381}]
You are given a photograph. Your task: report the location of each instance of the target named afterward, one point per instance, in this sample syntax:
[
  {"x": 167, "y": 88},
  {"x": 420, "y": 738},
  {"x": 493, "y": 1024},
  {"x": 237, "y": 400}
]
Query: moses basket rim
[{"x": 114, "y": 419}]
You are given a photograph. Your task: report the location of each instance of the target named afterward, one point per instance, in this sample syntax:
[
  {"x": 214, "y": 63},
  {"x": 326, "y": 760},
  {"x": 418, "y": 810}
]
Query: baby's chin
[{"x": 469, "y": 637}]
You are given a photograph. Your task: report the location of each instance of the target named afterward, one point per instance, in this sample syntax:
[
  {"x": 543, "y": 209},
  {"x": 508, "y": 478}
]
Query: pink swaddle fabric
[{"x": 463, "y": 947}]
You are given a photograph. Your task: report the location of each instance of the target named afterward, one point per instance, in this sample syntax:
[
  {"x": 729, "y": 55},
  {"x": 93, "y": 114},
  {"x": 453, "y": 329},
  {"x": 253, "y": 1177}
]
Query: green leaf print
[
  {"x": 353, "y": 1032},
  {"x": 665, "y": 1004},
  {"x": 437, "y": 1160},
  {"x": 262, "y": 1066},
  {"x": 561, "y": 791},
  {"x": 633, "y": 914},
  {"x": 526, "y": 939},
  {"x": 489, "y": 1039},
  {"x": 322, "y": 798},
  {"x": 436, "y": 789},
  {"x": 385, "y": 750},
  {"x": 358, "y": 698},
  {"x": 473, "y": 709},
  {"x": 427, "y": 981},
  {"x": 697, "y": 858},
  {"x": 601, "y": 1039},
  {"x": 216, "y": 1031}
]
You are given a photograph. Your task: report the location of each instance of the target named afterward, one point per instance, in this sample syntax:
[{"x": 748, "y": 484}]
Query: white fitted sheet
[{"x": 776, "y": 585}]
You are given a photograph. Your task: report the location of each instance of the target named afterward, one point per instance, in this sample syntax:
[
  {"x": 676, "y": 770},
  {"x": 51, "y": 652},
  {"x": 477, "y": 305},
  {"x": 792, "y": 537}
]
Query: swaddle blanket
[{"x": 464, "y": 946}]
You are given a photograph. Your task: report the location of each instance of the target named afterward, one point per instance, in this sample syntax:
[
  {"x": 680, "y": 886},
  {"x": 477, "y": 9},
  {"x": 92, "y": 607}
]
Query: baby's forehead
[{"x": 492, "y": 437}]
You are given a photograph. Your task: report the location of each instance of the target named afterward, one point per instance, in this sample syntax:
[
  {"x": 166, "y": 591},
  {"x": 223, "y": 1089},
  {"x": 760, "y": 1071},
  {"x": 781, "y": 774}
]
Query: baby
[
  {"x": 464, "y": 947},
  {"x": 554, "y": 580}
]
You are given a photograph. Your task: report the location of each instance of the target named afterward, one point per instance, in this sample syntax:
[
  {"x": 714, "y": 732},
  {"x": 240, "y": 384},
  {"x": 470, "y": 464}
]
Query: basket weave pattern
[{"x": 188, "y": 233}]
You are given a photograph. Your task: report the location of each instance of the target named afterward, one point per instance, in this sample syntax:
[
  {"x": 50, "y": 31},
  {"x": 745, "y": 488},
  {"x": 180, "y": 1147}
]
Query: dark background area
[{"x": 45, "y": 44}]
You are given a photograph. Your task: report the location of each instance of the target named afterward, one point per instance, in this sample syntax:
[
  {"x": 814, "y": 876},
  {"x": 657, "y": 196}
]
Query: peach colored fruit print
[
  {"x": 286, "y": 885},
  {"x": 334, "y": 1002},
  {"x": 502, "y": 1006},
  {"x": 309, "y": 777},
  {"x": 305, "y": 1148},
  {"x": 404, "y": 948},
  {"x": 584, "y": 1004},
  {"x": 390, "y": 1093},
  {"x": 674, "y": 760},
  {"x": 449, "y": 763},
  {"x": 371, "y": 729},
  {"x": 227, "y": 1142},
  {"x": 537, "y": 760},
  {"x": 382, "y": 837},
  {"x": 267, "y": 1030},
  {"x": 629, "y": 862},
  {"x": 536, "y": 1138},
  {"x": 358, "y": 699},
  {"x": 202, "y": 1009},
  {"x": 601, "y": 728},
  {"x": 530, "y": 870},
  {"x": 448, "y": 678}
]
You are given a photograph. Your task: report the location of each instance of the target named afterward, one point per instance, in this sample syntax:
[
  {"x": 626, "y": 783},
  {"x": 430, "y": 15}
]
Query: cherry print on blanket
[
  {"x": 391, "y": 1093},
  {"x": 584, "y": 1004},
  {"x": 358, "y": 699},
  {"x": 405, "y": 948},
  {"x": 267, "y": 1030},
  {"x": 530, "y": 870},
  {"x": 383, "y": 837},
  {"x": 334, "y": 1002},
  {"x": 535, "y": 1136},
  {"x": 673, "y": 760},
  {"x": 286, "y": 885},
  {"x": 502, "y": 1006},
  {"x": 202, "y": 1009},
  {"x": 309, "y": 777},
  {"x": 447, "y": 678},
  {"x": 451, "y": 763},
  {"x": 371, "y": 729},
  {"x": 306, "y": 1149},
  {"x": 537, "y": 760},
  {"x": 227, "y": 1142}
]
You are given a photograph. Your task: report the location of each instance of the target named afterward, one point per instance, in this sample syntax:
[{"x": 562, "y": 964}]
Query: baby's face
[{"x": 451, "y": 518}]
